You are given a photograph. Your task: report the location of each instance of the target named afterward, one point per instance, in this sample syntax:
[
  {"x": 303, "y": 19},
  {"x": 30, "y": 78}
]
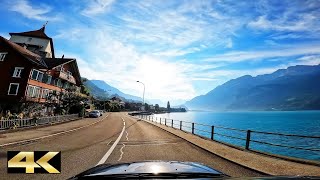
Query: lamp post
[{"x": 144, "y": 88}]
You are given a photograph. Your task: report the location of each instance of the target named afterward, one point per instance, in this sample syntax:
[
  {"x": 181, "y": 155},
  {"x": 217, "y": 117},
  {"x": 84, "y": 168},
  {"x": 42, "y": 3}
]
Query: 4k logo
[{"x": 34, "y": 162}]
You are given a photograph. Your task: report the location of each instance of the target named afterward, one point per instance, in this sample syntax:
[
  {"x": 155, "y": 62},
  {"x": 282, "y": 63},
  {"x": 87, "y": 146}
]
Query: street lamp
[{"x": 144, "y": 88}]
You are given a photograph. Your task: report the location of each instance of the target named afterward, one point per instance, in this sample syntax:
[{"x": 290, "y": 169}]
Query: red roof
[{"x": 35, "y": 58}]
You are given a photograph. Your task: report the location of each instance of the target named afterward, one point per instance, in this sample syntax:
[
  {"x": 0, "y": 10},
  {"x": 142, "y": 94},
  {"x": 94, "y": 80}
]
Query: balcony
[{"x": 65, "y": 76}]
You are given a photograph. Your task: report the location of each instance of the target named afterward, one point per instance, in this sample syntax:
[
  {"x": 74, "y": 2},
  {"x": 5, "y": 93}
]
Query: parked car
[
  {"x": 101, "y": 112},
  {"x": 95, "y": 114}
]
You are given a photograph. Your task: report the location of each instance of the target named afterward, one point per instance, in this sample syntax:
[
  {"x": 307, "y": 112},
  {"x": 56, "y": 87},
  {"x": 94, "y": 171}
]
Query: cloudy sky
[{"x": 178, "y": 48}]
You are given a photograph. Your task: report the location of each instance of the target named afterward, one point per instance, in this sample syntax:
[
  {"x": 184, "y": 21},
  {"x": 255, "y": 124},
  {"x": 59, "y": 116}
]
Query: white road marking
[
  {"x": 127, "y": 135},
  {"x": 55, "y": 134},
  {"x": 106, "y": 156},
  {"x": 109, "y": 142},
  {"x": 121, "y": 151}
]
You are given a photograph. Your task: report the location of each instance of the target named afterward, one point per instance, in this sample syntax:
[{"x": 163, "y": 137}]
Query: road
[{"x": 86, "y": 147}]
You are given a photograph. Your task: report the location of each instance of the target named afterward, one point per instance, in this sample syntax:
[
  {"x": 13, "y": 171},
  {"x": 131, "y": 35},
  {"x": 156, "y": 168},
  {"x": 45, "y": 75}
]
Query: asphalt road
[{"x": 140, "y": 141}]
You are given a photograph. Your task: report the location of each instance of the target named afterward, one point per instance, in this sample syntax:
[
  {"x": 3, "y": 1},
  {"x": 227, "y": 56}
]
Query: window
[
  {"x": 34, "y": 74},
  {"x": 30, "y": 91},
  {"x": 40, "y": 76},
  {"x": 13, "y": 89},
  {"x": 37, "y": 92},
  {"x": 17, "y": 72},
  {"x": 45, "y": 93},
  {"x": 37, "y": 75},
  {"x": 46, "y": 78},
  {"x": 3, "y": 55},
  {"x": 34, "y": 91},
  {"x": 49, "y": 79},
  {"x": 59, "y": 83}
]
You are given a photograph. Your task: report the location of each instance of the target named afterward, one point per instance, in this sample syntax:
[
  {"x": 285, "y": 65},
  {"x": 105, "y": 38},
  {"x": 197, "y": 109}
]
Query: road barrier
[
  {"x": 249, "y": 139},
  {"x": 20, "y": 123}
]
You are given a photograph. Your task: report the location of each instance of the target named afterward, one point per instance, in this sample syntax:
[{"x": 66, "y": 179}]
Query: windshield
[{"x": 159, "y": 89}]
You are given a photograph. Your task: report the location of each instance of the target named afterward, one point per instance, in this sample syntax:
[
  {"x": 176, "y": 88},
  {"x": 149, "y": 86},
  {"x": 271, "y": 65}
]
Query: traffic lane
[
  {"x": 81, "y": 149},
  {"x": 24, "y": 134},
  {"x": 147, "y": 142}
]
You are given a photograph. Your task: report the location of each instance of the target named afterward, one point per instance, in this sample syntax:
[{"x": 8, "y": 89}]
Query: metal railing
[
  {"x": 20, "y": 123},
  {"x": 241, "y": 138}
]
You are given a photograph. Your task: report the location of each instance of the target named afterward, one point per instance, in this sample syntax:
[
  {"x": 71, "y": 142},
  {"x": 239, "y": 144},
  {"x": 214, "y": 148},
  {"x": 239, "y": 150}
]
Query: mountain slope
[
  {"x": 95, "y": 91},
  {"x": 113, "y": 91},
  {"x": 294, "y": 88}
]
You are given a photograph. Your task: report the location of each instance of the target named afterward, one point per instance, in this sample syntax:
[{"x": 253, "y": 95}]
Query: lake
[{"x": 287, "y": 122}]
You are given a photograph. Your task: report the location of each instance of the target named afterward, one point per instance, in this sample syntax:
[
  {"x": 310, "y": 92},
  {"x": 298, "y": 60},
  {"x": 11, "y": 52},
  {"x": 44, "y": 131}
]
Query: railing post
[
  {"x": 165, "y": 121},
  {"x": 180, "y": 125},
  {"x": 171, "y": 122},
  {"x": 192, "y": 128},
  {"x": 248, "y": 139},
  {"x": 212, "y": 132}
]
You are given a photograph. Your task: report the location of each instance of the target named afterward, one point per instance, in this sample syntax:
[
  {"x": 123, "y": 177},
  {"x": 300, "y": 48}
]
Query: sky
[{"x": 178, "y": 48}]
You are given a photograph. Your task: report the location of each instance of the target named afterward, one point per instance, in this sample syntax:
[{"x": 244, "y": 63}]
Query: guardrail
[
  {"x": 245, "y": 139},
  {"x": 20, "y": 123}
]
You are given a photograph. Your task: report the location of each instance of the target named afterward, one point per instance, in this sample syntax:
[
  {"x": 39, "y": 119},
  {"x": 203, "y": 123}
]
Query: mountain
[
  {"x": 95, "y": 90},
  {"x": 114, "y": 91},
  {"x": 294, "y": 88}
]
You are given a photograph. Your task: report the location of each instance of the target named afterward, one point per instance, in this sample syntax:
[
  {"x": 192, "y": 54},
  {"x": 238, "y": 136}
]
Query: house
[
  {"x": 116, "y": 100},
  {"x": 29, "y": 70}
]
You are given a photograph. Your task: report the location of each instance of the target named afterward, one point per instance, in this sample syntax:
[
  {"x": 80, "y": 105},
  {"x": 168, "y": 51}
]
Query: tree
[
  {"x": 146, "y": 107},
  {"x": 168, "y": 106},
  {"x": 156, "y": 107}
]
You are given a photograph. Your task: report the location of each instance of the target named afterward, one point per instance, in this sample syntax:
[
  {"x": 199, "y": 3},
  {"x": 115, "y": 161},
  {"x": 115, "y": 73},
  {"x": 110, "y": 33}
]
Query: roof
[
  {"x": 54, "y": 62},
  {"x": 46, "y": 63},
  {"x": 33, "y": 57},
  {"x": 38, "y": 34}
]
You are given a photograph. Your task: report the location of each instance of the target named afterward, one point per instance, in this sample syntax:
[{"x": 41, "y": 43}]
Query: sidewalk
[
  {"x": 32, "y": 133},
  {"x": 259, "y": 162}
]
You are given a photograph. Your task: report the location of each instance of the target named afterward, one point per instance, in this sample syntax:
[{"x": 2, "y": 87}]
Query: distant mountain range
[
  {"x": 100, "y": 89},
  {"x": 114, "y": 91},
  {"x": 294, "y": 88}
]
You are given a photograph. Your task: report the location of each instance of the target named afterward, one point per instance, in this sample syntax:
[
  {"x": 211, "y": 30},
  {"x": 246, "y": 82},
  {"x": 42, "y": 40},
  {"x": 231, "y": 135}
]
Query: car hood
[{"x": 149, "y": 167}]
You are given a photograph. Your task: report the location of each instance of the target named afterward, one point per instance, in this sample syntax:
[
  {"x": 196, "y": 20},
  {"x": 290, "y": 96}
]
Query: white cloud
[
  {"x": 29, "y": 11},
  {"x": 288, "y": 16},
  {"x": 304, "y": 24},
  {"x": 5, "y": 35},
  {"x": 121, "y": 65},
  {"x": 238, "y": 56},
  {"x": 309, "y": 60},
  {"x": 97, "y": 7},
  {"x": 142, "y": 40}
]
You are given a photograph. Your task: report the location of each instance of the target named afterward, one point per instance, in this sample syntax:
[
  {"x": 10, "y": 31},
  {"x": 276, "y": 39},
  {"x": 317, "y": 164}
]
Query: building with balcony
[{"x": 29, "y": 70}]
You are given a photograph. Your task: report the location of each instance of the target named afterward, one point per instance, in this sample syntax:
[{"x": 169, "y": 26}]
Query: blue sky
[{"x": 179, "y": 49}]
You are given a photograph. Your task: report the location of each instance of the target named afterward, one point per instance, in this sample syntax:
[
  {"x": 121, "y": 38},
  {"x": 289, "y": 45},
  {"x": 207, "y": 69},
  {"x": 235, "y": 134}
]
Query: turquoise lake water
[{"x": 288, "y": 122}]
